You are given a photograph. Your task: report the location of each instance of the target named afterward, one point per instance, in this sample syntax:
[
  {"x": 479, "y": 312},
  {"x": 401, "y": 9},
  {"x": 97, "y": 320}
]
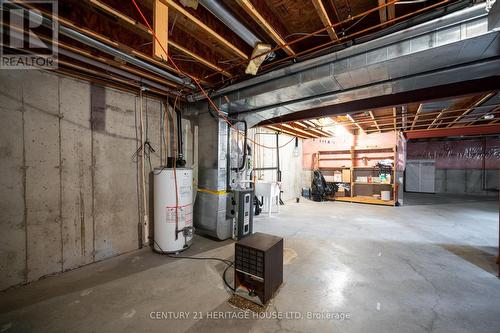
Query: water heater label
[
  {"x": 181, "y": 215},
  {"x": 185, "y": 215}
]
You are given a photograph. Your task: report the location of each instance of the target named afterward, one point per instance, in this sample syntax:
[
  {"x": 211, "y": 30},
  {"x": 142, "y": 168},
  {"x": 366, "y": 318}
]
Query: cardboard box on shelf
[{"x": 346, "y": 175}]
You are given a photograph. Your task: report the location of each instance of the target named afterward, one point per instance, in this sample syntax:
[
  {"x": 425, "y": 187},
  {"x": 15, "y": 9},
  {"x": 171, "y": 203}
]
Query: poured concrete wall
[
  {"x": 69, "y": 188},
  {"x": 290, "y": 163},
  {"x": 467, "y": 181}
]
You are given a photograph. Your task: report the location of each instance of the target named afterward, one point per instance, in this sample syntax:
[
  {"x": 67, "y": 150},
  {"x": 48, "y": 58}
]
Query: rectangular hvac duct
[{"x": 210, "y": 216}]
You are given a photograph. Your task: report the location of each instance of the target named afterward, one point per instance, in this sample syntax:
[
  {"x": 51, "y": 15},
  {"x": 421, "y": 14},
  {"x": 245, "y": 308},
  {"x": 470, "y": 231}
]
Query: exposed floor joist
[
  {"x": 391, "y": 11},
  {"x": 417, "y": 113},
  {"x": 172, "y": 4},
  {"x": 390, "y": 119},
  {"x": 484, "y": 116},
  {"x": 141, "y": 28},
  {"x": 262, "y": 22},
  {"x": 471, "y": 108},
  {"x": 374, "y": 120},
  {"x": 323, "y": 15},
  {"x": 382, "y": 12},
  {"x": 295, "y": 129},
  {"x": 278, "y": 128},
  {"x": 198, "y": 58},
  {"x": 394, "y": 113},
  {"x": 355, "y": 123}
]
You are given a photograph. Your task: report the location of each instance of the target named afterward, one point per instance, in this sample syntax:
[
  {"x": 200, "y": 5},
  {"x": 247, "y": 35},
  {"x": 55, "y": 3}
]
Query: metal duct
[
  {"x": 453, "y": 48},
  {"x": 230, "y": 21},
  {"x": 211, "y": 200},
  {"x": 119, "y": 54},
  {"x": 108, "y": 49},
  {"x": 114, "y": 70}
]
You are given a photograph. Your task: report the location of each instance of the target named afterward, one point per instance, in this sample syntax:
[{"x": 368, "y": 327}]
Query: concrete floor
[{"x": 427, "y": 266}]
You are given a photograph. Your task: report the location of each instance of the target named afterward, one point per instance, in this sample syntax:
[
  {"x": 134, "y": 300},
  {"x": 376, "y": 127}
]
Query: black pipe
[
  {"x": 484, "y": 164},
  {"x": 243, "y": 162},
  {"x": 278, "y": 158},
  {"x": 181, "y": 162},
  {"x": 278, "y": 166}
]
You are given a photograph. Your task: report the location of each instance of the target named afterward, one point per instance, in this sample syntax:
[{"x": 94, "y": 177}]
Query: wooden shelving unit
[{"x": 354, "y": 169}]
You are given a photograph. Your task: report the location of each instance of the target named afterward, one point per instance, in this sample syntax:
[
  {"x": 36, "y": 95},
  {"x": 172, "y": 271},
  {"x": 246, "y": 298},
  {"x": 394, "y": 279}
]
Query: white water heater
[{"x": 173, "y": 218}]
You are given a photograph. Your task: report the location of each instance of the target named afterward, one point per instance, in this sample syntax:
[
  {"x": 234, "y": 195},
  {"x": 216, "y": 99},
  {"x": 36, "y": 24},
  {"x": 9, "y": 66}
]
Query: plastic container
[{"x": 385, "y": 195}]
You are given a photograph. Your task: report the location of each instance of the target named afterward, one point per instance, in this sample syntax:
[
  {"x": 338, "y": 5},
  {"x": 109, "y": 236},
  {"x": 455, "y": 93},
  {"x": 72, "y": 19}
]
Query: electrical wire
[
  {"x": 145, "y": 225},
  {"x": 175, "y": 176},
  {"x": 229, "y": 263},
  {"x": 305, "y": 34},
  {"x": 211, "y": 102}
]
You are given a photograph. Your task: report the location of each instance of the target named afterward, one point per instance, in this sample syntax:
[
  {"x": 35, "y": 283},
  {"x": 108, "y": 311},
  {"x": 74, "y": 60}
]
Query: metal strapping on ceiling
[{"x": 453, "y": 48}]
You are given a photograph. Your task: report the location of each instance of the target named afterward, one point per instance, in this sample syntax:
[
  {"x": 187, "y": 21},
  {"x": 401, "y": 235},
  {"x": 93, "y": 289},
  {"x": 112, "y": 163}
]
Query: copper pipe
[
  {"x": 103, "y": 78},
  {"x": 106, "y": 40},
  {"x": 335, "y": 25},
  {"x": 102, "y": 60},
  {"x": 324, "y": 45}
]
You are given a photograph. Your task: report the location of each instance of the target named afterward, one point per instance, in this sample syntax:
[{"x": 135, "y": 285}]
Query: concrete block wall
[{"x": 69, "y": 188}]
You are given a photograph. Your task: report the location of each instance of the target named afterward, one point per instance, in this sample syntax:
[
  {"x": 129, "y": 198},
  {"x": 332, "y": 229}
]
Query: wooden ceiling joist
[
  {"x": 295, "y": 129},
  {"x": 472, "y": 107},
  {"x": 354, "y": 122},
  {"x": 417, "y": 113},
  {"x": 483, "y": 116},
  {"x": 323, "y": 15},
  {"x": 374, "y": 120},
  {"x": 278, "y": 128},
  {"x": 436, "y": 119},
  {"x": 173, "y": 5},
  {"x": 262, "y": 22},
  {"x": 106, "y": 40},
  {"x": 386, "y": 13},
  {"x": 391, "y": 11},
  {"x": 382, "y": 12},
  {"x": 395, "y": 116},
  {"x": 141, "y": 28},
  {"x": 198, "y": 58},
  {"x": 319, "y": 131},
  {"x": 300, "y": 124}
]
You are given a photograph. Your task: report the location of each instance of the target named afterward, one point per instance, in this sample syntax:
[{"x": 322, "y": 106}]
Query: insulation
[
  {"x": 462, "y": 154},
  {"x": 253, "y": 65}
]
